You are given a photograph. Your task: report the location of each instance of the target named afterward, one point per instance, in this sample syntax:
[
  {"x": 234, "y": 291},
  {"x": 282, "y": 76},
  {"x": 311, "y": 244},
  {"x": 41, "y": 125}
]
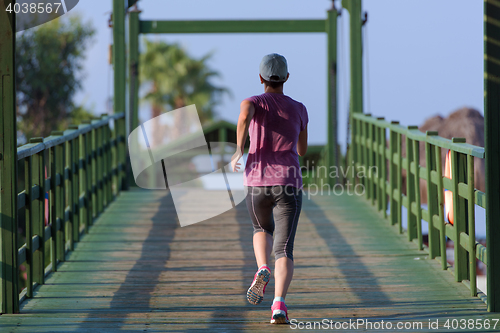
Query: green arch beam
[{"x": 241, "y": 26}]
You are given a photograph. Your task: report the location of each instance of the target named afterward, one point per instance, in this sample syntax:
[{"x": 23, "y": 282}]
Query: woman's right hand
[{"x": 234, "y": 160}]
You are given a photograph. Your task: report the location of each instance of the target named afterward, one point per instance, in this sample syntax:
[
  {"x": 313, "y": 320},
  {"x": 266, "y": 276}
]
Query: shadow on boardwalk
[
  {"x": 135, "y": 293},
  {"x": 235, "y": 314},
  {"x": 338, "y": 245},
  {"x": 165, "y": 281}
]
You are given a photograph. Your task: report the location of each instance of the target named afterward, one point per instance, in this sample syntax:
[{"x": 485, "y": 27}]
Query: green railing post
[
  {"x": 358, "y": 160},
  {"x": 332, "y": 153},
  {"x": 121, "y": 130},
  {"x": 100, "y": 170},
  {"x": 355, "y": 26},
  {"x": 410, "y": 188},
  {"x": 418, "y": 208},
  {"x": 28, "y": 183},
  {"x": 471, "y": 203},
  {"x": 107, "y": 181},
  {"x": 68, "y": 194},
  {"x": 109, "y": 164},
  {"x": 119, "y": 53},
  {"x": 377, "y": 166},
  {"x": 83, "y": 194},
  {"x": 381, "y": 170},
  {"x": 394, "y": 202},
  {"x": 76, "y": 188},
  {"x": 118, "y": 157},
  {"x": 356, "y": 163},
  {"x": 432, "y": 196},
  {"x": 492, "y": 148},
  {"x": 399, "y": 184},
  {"x": 8, "y": 163},
  {"x": 87, "y": 185},
  {"x": 133, "y": 60},
  {"x": 104, "y": 154},
  {"x": 94, "y": 177},
  {"x": 133, "y": 69},
  {"x": 440, "y": 207},
  {"x": 369, "y": 144},
  {"x": 75, "y": 179},
  {"x": 57, "y": 202},
  {"x": 60, "y": 220},
  {"x": 383, "y": 195},
  {"x": 366, "y": 160},
  {"x": 38, "y": 213},
  {"x": 356, "y": 66},
  {"x": 105, "y": 163},
  {"x": 52, "y": 212},
  {"x": 458, "y": 175},
  {"x": 120, "y": 69},
  {"x": 114, "y": 159},
  {"x": 392, "y": 177},
  {"x": 89, "y": 168}
]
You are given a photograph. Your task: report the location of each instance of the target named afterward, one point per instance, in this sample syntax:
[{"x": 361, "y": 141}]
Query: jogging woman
[{"x": 277, "y": 126}]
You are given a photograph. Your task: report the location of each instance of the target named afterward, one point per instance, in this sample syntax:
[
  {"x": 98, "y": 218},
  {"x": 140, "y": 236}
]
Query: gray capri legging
[{"x": 276, "y": 209}]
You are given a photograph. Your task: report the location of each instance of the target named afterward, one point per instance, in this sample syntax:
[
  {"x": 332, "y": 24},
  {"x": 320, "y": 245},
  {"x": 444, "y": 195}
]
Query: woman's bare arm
[
  {"x": 247, "y": 110},
  {"x": 302, "y": 143}
]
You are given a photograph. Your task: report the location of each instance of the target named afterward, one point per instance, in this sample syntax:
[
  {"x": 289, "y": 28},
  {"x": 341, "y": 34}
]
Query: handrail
[
  {"x": 33, "y": 148},
  {"x": 415, "y": 134},
  {"x": 84, "y": 172},
  {"x": 372, "y": 149}
]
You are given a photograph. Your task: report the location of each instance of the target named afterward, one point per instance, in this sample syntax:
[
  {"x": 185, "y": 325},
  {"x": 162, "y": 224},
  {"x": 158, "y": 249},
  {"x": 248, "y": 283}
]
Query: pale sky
[{"x": 425, "y": 57}]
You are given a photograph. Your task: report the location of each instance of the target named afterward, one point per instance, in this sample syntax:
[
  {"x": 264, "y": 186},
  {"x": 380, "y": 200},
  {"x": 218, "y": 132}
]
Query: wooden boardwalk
[{"x": 138, "y": 270}]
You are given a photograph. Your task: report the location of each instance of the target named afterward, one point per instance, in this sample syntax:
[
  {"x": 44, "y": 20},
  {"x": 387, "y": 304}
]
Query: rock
[{"x": 464, "y": 123}]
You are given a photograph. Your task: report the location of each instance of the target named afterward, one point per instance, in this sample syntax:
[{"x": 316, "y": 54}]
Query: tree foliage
[
  {"x": 177, "y": 80},
  {"x": 48, "y": 65}
]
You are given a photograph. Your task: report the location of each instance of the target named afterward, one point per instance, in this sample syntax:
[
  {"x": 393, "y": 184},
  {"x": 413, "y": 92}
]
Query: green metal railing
[
  {"x": 84, "y": 172},
  {"x": 379, "y": 160}
]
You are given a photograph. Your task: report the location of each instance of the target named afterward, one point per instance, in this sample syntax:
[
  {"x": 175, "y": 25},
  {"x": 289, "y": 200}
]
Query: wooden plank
[{"x": 137, "y": 269}]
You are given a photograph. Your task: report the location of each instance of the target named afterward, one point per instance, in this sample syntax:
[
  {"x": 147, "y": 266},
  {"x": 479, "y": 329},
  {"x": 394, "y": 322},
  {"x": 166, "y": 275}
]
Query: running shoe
[
  {"x": 280, "y": 313},
  {"x": 255, "y": 293}
]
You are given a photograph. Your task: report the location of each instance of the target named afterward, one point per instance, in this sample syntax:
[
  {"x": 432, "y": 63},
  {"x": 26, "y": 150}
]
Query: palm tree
[{"x": 177, "y": 80}]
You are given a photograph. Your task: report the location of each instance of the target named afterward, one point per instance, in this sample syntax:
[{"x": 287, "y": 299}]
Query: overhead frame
[{"x": 328, "y": 26}]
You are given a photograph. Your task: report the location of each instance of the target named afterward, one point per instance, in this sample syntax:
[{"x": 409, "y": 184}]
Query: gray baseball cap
[{"x": 273, "y": 67}]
